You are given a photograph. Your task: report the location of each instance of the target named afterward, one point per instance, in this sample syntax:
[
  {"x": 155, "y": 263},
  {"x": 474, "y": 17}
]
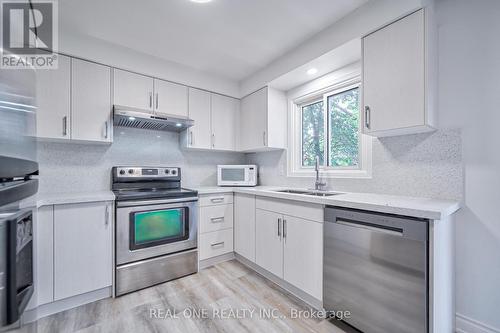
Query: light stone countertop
[
  {"x": 434, "y": 209},
  {"x": 45, "y": 199}
]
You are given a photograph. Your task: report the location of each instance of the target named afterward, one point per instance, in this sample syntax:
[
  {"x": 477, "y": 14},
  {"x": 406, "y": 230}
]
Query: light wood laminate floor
[{"x": 226, "y": 289}]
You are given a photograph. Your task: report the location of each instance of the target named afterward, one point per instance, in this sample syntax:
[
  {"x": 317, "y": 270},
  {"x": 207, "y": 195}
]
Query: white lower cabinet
[
  {"x": 290, "y": 247},
  {"x": 215, "y": 243},
  {"x": 45, "y": 255},
  {"x": 74, "y": 250},
  {"x": 215, "y": 225},
  {"x": 269, "y": 248},
  {"x": 244, "y": 225},
  {"x": 303, "y": 255},
  {"x": 82, "y": 248}
]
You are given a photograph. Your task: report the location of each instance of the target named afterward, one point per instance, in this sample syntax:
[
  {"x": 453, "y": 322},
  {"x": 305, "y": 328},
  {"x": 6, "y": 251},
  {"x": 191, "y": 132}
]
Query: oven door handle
[{"x": 134, "y": 203}]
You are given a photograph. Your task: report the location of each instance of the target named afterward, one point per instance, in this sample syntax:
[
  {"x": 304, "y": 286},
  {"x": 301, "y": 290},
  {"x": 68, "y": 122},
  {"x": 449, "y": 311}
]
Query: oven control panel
[{"x": 144, "y": 172}]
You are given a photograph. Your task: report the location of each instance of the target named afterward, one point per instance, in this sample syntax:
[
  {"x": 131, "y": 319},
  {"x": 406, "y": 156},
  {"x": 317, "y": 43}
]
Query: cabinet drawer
[
  {"x": 216, "y": 199},
  {"x": 308, "y": 211},
  {"x": 215, "y": 243},
  {"x": 213, "y": 218}
]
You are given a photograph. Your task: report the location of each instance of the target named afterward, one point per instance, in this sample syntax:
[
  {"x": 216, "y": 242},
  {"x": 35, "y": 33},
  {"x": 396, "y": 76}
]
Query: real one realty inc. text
[{"x": 230, "y": 313}]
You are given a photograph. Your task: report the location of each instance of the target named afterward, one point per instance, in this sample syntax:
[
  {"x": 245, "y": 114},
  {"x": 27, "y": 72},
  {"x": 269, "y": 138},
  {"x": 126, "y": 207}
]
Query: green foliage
[
  {"x": 343, "y": 111},
  {"x": 343, "y": 130},
  {"x": 313, "y": 134}
]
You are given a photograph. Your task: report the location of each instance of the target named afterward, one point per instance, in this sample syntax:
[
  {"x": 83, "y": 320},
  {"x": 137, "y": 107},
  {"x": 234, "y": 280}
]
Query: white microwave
[{"x": 237, "y": 175}]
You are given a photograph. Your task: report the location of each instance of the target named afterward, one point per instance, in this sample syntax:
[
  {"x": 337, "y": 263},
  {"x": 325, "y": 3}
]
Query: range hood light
[
  {"x": 178, "y": 125},
  {"x": 131, "y": 118}
]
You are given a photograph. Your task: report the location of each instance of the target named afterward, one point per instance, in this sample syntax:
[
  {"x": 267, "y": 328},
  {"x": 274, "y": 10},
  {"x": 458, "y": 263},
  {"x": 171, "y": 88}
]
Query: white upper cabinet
[
  {"x": 199, "y": 135},
  {"x": 91, "y": 101},
  {"x": 398, "y": 77},
  {"x": 263, "y": 121},
  {"x": 170, "y": 98},
  {"x": 225, "y": 116},
  {"x": 215, "y": 122},
  {"x": 53, "y": 99},
  {"x": 132, "y": 90}
]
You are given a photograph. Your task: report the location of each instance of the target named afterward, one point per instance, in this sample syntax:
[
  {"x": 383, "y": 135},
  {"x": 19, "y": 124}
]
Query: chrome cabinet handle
[
  {"x": 284, "y": 229},
  {"x": 65, "y": 125},
  {"x": 191, "y": 137},
  {"x": 367, "y": 116},
  {"x": 217, "y": 244},
  {"x": 213, "y": 140},
  {"x": 217, "y": 219},
  {"x": 219, "y": 199},
  {"x": 157, "y": 101},
  {"x": 279, "y": 227},
  {"x": 106, "y": 221},
  {"x": 150, "y": 99},
  {"x": 106, "y": 129},
  {"x": 264, "y": 138}
]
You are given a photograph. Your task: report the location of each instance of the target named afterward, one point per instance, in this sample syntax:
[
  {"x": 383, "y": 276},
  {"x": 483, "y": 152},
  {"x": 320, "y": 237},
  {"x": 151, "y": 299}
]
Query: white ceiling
[{"x": 230, "y": 38}]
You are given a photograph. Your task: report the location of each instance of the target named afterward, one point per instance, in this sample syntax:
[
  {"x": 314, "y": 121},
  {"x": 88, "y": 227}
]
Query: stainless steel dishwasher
[{"x": 376, "y": 267}]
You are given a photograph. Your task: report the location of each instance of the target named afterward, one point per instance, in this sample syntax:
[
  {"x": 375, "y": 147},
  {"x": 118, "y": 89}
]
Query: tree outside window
[{"x": 337, "y": 143}]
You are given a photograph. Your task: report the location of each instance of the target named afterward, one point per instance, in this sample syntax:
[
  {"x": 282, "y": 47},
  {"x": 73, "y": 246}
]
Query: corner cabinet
[
  {"x": 263, "y": 121},
  {"x": 244, "y": 225},
  {"x": 399, "y": 81},
  {"x": 215, "y": 122}
]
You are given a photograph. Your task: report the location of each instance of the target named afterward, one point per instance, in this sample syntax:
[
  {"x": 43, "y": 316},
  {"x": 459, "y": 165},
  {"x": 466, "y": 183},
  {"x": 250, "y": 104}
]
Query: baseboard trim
[
  {"x": 215, "y": 260},
  {"x": 466, "y": 324},
  {"x": 65, "y": 304},
  {"x": 312, "y": 301}
]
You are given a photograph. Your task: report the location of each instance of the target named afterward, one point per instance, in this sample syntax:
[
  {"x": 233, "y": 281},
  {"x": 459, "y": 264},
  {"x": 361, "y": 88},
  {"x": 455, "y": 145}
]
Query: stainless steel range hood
[{"x": 131, "y": 117}]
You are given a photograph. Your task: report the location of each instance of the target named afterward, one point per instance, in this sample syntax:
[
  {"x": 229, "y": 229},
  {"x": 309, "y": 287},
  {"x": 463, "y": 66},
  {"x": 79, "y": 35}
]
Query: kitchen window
[{"x": 327, "y": 124}]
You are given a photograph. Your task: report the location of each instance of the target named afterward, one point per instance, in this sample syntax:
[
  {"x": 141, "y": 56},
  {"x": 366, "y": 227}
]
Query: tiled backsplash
[{"x": 425, "y": 165}]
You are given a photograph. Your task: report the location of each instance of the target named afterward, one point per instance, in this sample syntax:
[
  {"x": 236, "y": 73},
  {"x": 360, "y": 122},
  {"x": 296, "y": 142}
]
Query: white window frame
[{"x": 294, "y": 154}]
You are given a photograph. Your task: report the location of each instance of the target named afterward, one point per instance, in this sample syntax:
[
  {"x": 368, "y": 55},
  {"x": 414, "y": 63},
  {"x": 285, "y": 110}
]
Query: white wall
[
  {"x": 469, "y": 98},
  {"x": 74, "y": 44}
]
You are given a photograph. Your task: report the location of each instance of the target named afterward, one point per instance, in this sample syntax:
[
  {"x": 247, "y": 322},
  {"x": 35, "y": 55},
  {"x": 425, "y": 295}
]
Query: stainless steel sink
[
  {"x": 318, "y": 194},
  {"x": 292, "y": 191},
  {"x": 322, "y": 194}
]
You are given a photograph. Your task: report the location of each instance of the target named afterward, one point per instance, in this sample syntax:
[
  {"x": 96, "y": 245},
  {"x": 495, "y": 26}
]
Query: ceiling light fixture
[
  {"x": 201, "y": 1},
  {"x": 312, "y": 71}
]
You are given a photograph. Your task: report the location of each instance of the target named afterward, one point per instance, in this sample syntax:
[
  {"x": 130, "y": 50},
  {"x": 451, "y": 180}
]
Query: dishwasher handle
[
  {"x": 402, "y": 226},
  {"x": 371, "y": 227}
]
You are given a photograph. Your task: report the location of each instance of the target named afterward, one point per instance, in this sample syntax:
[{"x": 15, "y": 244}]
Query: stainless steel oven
[
  {"x": 155, "y": 227},
  {"x": 151, "y": 228}
]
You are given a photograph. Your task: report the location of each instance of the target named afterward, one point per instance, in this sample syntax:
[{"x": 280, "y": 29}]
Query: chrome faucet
[{"x": 318, "y": 185}]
